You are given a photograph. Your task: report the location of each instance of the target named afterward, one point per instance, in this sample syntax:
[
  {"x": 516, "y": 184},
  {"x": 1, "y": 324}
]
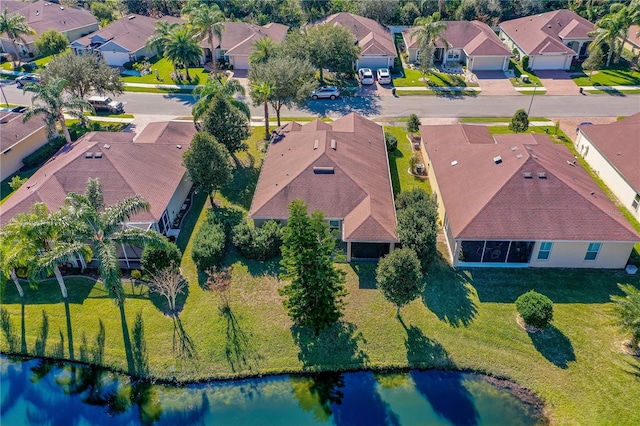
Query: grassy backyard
[{"x": 464, "y": 320}]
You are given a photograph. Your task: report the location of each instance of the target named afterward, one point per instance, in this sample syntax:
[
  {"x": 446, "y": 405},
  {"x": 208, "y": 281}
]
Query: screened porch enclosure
[{"x": 495, "y": 251}]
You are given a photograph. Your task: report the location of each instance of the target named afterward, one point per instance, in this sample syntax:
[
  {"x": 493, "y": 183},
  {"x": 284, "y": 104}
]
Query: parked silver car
[
  {"x": 27, "y": 78},
  {"x": 329, "y": 92},
  {"x": 384, "y": 77}
]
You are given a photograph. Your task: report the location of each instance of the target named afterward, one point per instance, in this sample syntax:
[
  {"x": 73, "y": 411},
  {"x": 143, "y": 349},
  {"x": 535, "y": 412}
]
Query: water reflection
[{"x": 38, "y": 392}]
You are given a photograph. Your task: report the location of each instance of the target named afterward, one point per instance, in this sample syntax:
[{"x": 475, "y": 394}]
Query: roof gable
[
  {"x": 372, "y": 37},
  {"x": 238, "y": 37}
]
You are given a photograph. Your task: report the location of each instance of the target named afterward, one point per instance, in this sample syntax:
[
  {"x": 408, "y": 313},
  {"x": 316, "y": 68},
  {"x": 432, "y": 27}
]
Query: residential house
[
  {"x": 18, "y": 140},
  {"x": 613, "y": 152},
  {"x": 378, "y": 49},
  {"x": 237, "y": 41},
  {"x": 632, "y": 41},
  {"x": 43, "y": 16},
  {"x": 340, "y": 168},
  {"x": 551, "y": 40},
  {"x": 150, "y": 166},
  {"x": 121, "y": 41},
  {"x": 519, "y": 200},
  {"x": 471, "y": 43}
]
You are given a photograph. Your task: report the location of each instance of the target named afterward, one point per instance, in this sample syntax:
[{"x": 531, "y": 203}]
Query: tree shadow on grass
[
  {"x": 423, "y": 352},
  {"x": 241, "y": 188},
  {"x": 366, "y": 273},
  {"x": 69, "y": 329},
  {"x": 183, "y": 345},
  {"x": 139, "y": 348},
  {"x": 189, "y": 221},
  {"x": 238, "y": 349},
  {"x": 337, "y": 346},
  {"x": 10, "y": 334},
  {"x": 554, "y": 346},
  {"x": 47, "y": 292},
  {"x": 95, "y": 353},
  {"x": 448, "y": 294},
  {"x": 131, "y": 369},
  {"x": 160, "y": 302},
  {"x": 41, "y": 341}
]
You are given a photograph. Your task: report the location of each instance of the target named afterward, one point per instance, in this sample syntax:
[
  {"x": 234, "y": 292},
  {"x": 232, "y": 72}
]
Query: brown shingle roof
[
  {"x": 619, "y": 143},
  {"x": 633, "y": 35},
  {"x": 152, "y": 170},
  {"x": 485, "y": 200},
  {"x": 238, "y": 37},
  {"x": 130, "y": 32},
  {"x": 543, "y": 33},
  {"x": 13, "y": 130},
  {"x": 43, "y": 16},
  {"x": 358, "y": 191},
  {"x": 373, "y": 38},
  {"x": 476, "y": 38}
]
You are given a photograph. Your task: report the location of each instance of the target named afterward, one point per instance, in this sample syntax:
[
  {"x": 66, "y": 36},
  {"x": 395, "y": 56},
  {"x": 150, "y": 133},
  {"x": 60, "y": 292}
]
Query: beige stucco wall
[
  {"x": 608, "y": 173},
  {"x": 75, "y": 34},
  {"x": 11, "y": 162},
  {"x": 178, "y": 197},
  {"x": 571, "y": 254}
]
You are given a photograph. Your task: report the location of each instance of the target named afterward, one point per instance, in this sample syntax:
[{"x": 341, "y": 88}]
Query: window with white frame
[
  {"x": 545, "y": 250},
  {"x": 592, "y": 251}
]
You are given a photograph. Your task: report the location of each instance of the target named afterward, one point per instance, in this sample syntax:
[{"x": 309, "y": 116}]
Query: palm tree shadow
[
  {"x": 69, "y": 329},
  {"x": 41, "y": 341},
  {"x": 10, "y": 335},
  {"x": 238, "y": 351},
  {"x": 448, "y": 294},
  {"x": 423, "y": 352},
  {"x": 554, "y": 345},
  {"x": 127, "y": 340},
  {"x": 95, "y": 354},
  {"x": 183, "y": 346}
]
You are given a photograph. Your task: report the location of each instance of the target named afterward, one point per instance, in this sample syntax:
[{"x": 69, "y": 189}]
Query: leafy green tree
[
  {"x": 227, "y": 124},
  {"x": 293, "y": 79},
  {"x": 100, "y": 228},
  {"x": 208, "y": 21},
  {"x": 315, "y": 290},
  {"x": 381, "y": 11},
  {"x": 520, "y": 121},
  {"x": 413, "y": 124},
  {"x": 399, "y": 277},
  {"x": 154, "y": 259},
  {"x": 86, "y": 74},
  {"x": 258, "y": 243},
  {"x": 103, "y": 12},
  {"x": 262, "y": 50},
  {"x": 16, "y": 182},
  {"x": 15, "y": 27},
  {"x": 261, "y": 93},
  {"x": 214, "y": 87},
  {"x": 181, "y": 48},
  {"x": 209, "y": 245},
  {"x": 207, "y": 163},
  {"x": 535, "y": 309},
  {"x": 51, "y": 43},
  {"x": 627, "y": 309},
  {"x": 158, "y": 39},
  {"x": 48, "y": 100},
  {"x": 595, "y": 61},
  {"x": 418, "y": 223}
]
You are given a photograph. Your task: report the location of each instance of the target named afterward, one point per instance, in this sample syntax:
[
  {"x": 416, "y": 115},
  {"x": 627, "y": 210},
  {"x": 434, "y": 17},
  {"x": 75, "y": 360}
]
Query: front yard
[
  {"x": 165, "y": 68},
  {"x": 414, "y": 78},
  {"x": 608, "y": 77},
  {"x": 518, "y": 71}
]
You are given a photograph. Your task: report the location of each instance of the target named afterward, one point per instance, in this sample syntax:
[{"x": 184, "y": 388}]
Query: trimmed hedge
[
  {"x": 157, "y": 258},
  {"x": 535, "y": 309},
  {"x": 43, "y": 153},
  {"x": 209, "y": 245},
  {"x": 391, "y": 140},
  {"x": 258, "y": 243}
]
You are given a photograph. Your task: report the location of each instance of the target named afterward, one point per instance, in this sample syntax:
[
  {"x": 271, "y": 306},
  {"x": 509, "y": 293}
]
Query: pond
[{"x": 39, "y": 392}]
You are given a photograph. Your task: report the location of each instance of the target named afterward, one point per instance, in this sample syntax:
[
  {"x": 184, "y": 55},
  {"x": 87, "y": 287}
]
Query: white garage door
[
  {"x": 548, "y": 62},
  {"x": 374, "y": 62},
  {"x": 240, "y": 62},
  {"x": 487, "y": 63},
  {"x": 115, "y": 59}
]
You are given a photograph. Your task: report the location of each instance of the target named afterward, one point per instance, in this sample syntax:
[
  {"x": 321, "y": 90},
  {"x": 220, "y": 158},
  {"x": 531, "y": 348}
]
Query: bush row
[{"x": 43, "y": 153}]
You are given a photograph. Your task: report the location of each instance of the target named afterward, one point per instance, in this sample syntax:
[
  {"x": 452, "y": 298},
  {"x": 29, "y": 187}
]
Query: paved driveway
[
  {"x": 557, "y": 82},
  {"x": 494, "y": 83}
]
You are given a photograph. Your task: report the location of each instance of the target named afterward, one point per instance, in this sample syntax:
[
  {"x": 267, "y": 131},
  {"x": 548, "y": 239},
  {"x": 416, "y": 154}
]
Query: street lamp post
[{"x": 535, "y": 86}]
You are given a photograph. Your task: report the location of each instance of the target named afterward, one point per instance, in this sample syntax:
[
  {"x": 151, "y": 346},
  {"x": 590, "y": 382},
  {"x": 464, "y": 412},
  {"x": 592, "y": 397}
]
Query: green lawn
[
  {"x": 155, "y": 90},
  {"x": 496, "y": 119},
  {"x": 5, "y": 189},
  {"x": 609, "y": 77},
  {"x": 401, "y": 180},
  {"x": 518, "y": 71},
  {"x": 412, "y": 78},
  {"x": 165, "y": 69},
  {"x": 464, "y": 320}
]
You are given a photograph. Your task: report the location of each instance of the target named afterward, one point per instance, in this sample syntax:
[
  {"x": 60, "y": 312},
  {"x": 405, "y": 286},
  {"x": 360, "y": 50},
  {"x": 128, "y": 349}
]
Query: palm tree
[
  {"x": 13, "y": 255},
  {"x": 15, "y": 27},
  {"x": 261, "y": 93},
  {"x": 181, "y": 48},
  {"x": 429, "y": 31},
  {"x": 213, "y": 87},
  {"x": 53, "y": 105},
  {"x": 262, "y": 50},
  {"x": 159, "y": 38},
  {"x": 612, "y": 30},
  {"x": 627, "y": 308},
  {"x": 208, "y": 21},
  {"x": 103, "y": 229}
]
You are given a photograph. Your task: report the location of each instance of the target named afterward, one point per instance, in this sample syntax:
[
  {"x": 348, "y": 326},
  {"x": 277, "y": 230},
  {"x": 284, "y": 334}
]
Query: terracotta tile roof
[
  {"x": 486, "y": 200},
  {"x": 619, "y": 143},
  {"x": 543, "y": 33},
  {"x": 373, "y": 38},
  {"x": 130, "y": 32},
  {"x": 632, "y": 35},
  {"x": 476, "y": 38},
  {"x": 14, "y": 131},
  {"x": 152, "y": 170},
  {"x": 238, "y": 37},
  {"x": 43, "y": 16},
  {"x": 358, "y": 190}
]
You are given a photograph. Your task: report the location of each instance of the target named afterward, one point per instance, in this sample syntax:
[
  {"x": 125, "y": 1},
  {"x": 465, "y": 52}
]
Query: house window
[
  {"x": 592, "y": 251},
  {"x": 545, "y": 250},
  {"x": 636, "y": 202},
  {"x": 334, "y": 224}
]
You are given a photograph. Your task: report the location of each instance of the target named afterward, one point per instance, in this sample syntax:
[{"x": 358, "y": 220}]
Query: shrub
[
  {"x": 16, "y": 182},
  {"x": 29, "y": 67},
  {"x": 258, "y": 243},
  {"x": 519, "y": 122},
  {"x": 391, "y": 140},
  {"x": 43, "y": 153},
  {"x": 418, "y": 223},
  {"x": 156, "y": 258},
  {"x": 399, "y": 277},
  {"x": 209, "y": 245},
  {"x": 413, "y": 124},
  {"x": 136, "y": 274},
  {"x": 535, "y": 309},
  {"x": 525, "y": 63},
  {"x": 128, "y": 65}
]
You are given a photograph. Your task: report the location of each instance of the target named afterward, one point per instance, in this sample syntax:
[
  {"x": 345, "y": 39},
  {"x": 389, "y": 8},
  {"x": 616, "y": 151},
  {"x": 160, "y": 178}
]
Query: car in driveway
[
  {"x": 366, "y": 76},
  {"x": 384, "y": 77},
  {"x": 27, "y": 78},
  {"x": 329, "y": 92}
]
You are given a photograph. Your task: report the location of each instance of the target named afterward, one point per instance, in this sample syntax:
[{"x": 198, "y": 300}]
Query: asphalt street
[{"x": 377, "y": 106}]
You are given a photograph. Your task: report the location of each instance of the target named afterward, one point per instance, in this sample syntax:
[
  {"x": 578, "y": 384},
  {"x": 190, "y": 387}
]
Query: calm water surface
[{"x": 37, "y": 392}]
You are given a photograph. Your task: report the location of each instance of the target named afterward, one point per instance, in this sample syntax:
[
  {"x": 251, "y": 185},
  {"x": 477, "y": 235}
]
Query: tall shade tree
[
  {"x": 399, "y": 277},
  {"x": 49, "y": 101},
  {"x": 627, "y": 309},
  {"x": 612, "y": 30},
  {"x": 429, "y": 30},
  {"x": 214, "y": 87},
  {"x": 418, "y": 223},
  {"x": 207, "y": 163},
  {"x": 315, "y": 291},
  {"x": 158, "y": 39},
  {"x": 181, "y": 48},
  {"x": 262, "y": 50},
  {"x": 102, "y": 229},
  {"x": 86, "y": 74},
  {"x": 208, "y": 21},
  {"x": 261, "y": 93},
  {"x": 15, "y": 27},
  {"x": 51, "y": 43},
  {"x": 227, "y": 124}
]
